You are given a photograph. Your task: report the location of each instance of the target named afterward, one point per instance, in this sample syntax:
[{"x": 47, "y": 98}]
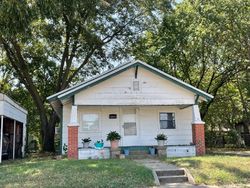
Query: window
[
  {"x": 129, "y": 119},
  {"x": 90, "y": 122},
  {"x": 167, "y": 120}
]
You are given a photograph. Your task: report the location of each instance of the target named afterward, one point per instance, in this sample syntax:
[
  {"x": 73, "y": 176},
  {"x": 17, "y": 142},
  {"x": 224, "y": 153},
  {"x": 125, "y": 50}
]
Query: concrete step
[
  {"x": 172, "y": 179},
  {"x": 140, "y": 156},
  {"x": 138, "y": 152},
  {"x": 170, "y": 172}
]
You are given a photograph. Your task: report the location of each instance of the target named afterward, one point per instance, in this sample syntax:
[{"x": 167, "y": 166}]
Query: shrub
[
  {"x": 86, "y": 140},
  {"x": 161, "y": 137},
  {"x": 113, "y": 135}
]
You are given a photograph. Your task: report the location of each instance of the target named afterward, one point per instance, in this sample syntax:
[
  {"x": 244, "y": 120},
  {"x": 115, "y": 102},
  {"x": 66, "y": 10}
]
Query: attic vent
[{"x": 136, "y": 86}]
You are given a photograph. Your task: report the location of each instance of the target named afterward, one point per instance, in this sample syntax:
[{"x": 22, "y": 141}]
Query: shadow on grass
[
  {"x": 237, "y": 172},
  {"x": 193, "y": 163}
]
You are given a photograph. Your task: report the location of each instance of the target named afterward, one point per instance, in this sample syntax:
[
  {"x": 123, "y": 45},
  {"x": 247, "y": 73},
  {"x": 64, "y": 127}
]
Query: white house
[
  {"x": 12, "y": 128},
  {"x": 136, "y": 100}
]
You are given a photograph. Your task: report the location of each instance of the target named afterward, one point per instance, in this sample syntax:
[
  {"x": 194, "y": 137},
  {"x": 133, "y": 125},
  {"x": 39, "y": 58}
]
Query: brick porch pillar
[
  {"x": 199, "y": 138},
  {"x": 198, "y": 132},
  {"x": 72, "y": 142},
  {"x": 73, "y": 135}
]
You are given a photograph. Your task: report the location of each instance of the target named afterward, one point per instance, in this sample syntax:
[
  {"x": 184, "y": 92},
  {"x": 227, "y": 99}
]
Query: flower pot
[
  {"x": 152, "y": 151},
  {"x": 126, "y": 151},
  {"x": 86, "y": 144},
  {"x": 161, "y": 142},
  {"x": 99, "y": 145},
  {"x": 114, "y": 144}
]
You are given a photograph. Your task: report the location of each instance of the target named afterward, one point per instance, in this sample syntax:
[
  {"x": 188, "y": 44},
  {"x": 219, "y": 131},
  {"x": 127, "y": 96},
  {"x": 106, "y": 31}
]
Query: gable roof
[{"x": 64, "y": 94}]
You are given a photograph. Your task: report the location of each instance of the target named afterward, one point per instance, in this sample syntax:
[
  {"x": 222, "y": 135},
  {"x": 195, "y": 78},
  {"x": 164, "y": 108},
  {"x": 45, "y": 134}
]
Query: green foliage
[
  {"x": 161, "y": 137},
  {"x": 50, "y": 45},
  {"x": 86, "y": 140},
  {"x": 65, "y": 148},
  {"x": 75, "y": 173},
  {"x": 214, "y": 139},
  {"x": 206, "y": 44},
  {"x": 216, "y": 170},
  {"x": 233, "y": 139},
  {"x": 113, "y": 135}
]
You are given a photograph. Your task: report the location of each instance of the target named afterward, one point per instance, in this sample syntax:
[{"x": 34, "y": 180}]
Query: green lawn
[
  {"x": 216, "y": 170},
  {"x": 72, "y": 173}
]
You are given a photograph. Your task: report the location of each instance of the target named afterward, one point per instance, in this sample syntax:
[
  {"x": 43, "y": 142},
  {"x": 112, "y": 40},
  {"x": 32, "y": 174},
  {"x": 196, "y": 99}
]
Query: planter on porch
[
  {"x": 161, "y": 142},
  {"x": 114, "y": 144},
  {"x": 161, "y": 139},
  {"x": 114, "y": 138},
  {"x": 86, "y": 142}
]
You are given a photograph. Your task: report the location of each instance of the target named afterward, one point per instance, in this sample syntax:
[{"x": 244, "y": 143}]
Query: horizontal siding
[
  {"x": 148, "y": 124},
  {"x": 118, "y": 90}
]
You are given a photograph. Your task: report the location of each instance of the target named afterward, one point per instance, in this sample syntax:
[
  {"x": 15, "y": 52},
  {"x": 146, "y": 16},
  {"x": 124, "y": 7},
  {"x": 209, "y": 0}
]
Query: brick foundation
[
  {"x": 199, "y": 138},
  {"x": 73, "y": 142}
]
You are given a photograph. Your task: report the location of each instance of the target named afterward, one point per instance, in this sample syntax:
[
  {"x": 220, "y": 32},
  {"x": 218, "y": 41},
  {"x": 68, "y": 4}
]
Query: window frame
[
  {"x": 174, "y": 120},
  {"x": 127, "y": 111},
  {"x": 90, "y": 113}
]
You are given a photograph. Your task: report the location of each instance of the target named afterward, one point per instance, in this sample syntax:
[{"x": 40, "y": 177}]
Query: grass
[
  {"x": 74, "y": 173},
  {"x": 216, "y": 169}
]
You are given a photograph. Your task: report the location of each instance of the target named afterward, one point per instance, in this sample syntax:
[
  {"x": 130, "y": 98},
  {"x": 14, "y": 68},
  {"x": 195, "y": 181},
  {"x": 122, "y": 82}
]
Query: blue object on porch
[
  {"x": 126, "y": 151},
  {"x": 99, "y": 145},
  {"x": 151, "y": 150}
]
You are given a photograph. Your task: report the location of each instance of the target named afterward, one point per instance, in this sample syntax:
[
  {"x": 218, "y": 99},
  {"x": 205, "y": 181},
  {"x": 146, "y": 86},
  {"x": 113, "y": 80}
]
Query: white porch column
[
  {"x": 73, "y": 116},
  {"x": 196, "y": 115},
  {"x": 1, "y": 139},
  {"x": 14, "y": 141},
  {"x": 73, "y": 134}
]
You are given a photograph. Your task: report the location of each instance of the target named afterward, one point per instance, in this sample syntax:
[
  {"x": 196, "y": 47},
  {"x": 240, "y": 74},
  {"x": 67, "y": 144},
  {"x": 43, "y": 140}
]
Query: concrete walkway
[{"x": 155, "y": 164}]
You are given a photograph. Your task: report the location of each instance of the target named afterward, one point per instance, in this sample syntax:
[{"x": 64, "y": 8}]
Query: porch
[{"x": 138, "y": 126}]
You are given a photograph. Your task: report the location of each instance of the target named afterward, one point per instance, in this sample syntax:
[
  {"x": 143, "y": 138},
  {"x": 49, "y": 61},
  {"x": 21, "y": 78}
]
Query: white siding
[
  {"x": 118, "y": 90},
  {"x": 148, "y": 124}
]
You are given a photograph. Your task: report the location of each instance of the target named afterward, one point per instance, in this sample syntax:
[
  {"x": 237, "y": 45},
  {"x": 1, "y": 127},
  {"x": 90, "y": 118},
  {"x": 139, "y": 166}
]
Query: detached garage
[{"x": 12, "y": 129}]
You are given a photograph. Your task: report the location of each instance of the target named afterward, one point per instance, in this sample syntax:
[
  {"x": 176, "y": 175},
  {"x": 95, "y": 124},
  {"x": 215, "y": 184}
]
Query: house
[
  {"x": 12, "y": 129},
  {"x": 136, "y": 100}
]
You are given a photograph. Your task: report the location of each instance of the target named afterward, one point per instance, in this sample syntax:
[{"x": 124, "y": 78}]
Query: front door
[{"x": 129, "y": 127}]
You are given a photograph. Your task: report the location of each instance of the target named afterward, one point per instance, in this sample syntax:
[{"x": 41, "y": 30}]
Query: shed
[{"x": 13, "y": 120}]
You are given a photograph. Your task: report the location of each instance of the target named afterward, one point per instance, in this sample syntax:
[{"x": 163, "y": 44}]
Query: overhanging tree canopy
[{"x": 50, "y": 42}]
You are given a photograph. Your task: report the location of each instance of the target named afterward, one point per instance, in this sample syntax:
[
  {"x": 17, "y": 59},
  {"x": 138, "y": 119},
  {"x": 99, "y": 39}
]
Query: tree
[
  {"x": 205, "y": 43},
  {"x": 49, "y": 43}
]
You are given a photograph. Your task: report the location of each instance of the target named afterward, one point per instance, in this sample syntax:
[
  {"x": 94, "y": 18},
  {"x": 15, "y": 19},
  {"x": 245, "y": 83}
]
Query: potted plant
[
  {"x": 114, "y": 138},
  {"x": 161, "y": 138},
  {"x": 86, "y": 142},
  {"x": 99, "y": 144}
]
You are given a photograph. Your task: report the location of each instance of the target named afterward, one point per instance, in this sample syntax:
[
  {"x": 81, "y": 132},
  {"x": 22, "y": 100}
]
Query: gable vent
[{"x": 136, "y": 85}]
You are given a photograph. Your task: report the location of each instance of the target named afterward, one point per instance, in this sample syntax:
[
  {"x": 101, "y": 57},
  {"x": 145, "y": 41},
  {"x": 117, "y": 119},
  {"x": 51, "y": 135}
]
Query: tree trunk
[{"x": 48, "y": 136}]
